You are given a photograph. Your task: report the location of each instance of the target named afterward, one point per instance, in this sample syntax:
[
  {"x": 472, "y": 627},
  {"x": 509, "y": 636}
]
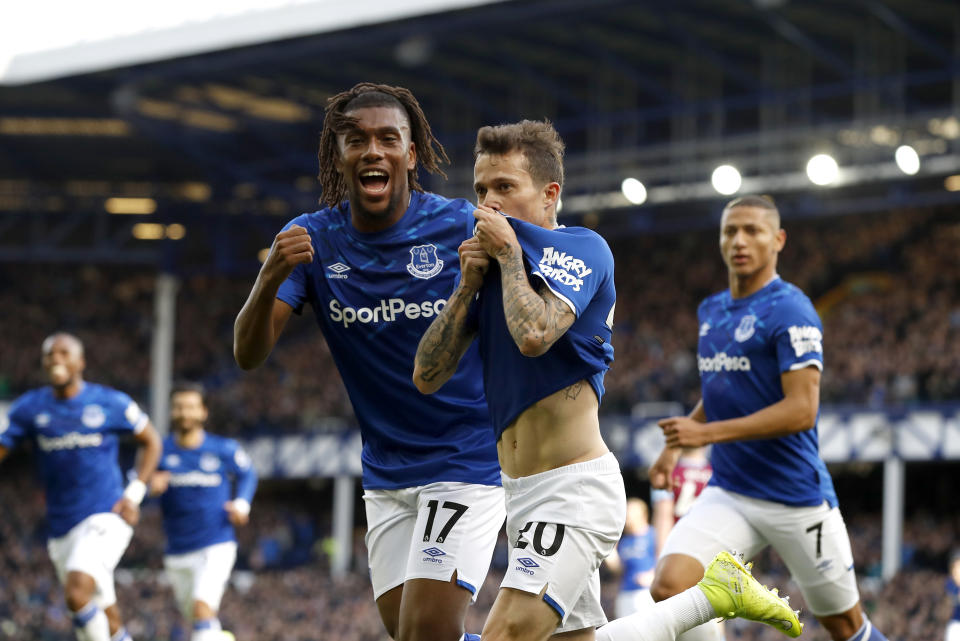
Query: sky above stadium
[{"x": 45, "y": 39}]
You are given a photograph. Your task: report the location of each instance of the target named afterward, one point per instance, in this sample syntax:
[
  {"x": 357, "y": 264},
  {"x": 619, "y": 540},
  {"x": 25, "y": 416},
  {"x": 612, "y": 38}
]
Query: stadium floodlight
[
  {"x": 137, "y": 206},
  {"x": 822, "y": 169},
  {"x": 907, "y": 159},
  {"x": 634, "y": 191},
  {"x": 176, "y": 231},
  {"x": 148, "y": 231},
  {"x": 726, "y": 179}
]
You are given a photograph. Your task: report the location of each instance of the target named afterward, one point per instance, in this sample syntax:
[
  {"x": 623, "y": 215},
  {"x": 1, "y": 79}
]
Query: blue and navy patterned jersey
[
  {"x": 745, "y": 345},
  {"x": 374, "y": 296},
  {"x": 202, "y": 479},
  {"x": 577, "y": 266},
  {"x": 76, "y": 445},
  {"x": 638, "y": 553}
]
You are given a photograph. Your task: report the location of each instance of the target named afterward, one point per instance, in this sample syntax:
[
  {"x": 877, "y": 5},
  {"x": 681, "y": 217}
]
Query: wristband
[
  {"x": 135, "y": 491},
  {"x": 242, "y": 506}
]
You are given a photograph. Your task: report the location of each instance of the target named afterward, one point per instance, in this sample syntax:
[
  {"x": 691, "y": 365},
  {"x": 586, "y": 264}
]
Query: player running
[
  {"x": 760, "y": 356},
  {"x": 207, "y": 483},
  {"x": 75, "y": 427}
]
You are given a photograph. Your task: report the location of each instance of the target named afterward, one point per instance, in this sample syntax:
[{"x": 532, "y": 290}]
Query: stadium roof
[{"x": 660, "y": 91}]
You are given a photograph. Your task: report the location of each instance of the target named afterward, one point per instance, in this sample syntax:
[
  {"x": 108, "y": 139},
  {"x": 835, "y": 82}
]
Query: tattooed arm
[
  {"x": 448, "y": 337},
  {"x": 536, "y": 318}
]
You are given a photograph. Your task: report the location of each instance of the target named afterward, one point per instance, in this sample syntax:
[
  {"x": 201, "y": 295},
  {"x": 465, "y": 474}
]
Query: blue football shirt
[
  {"x": 745, "y": 345},
  {"x": 202, "y": 479},
  {"x": 575, "y": 264},
  {"x": 638, "y": 553},
  {"x": 76, "y": 445},
  {"x": 953, "y": 591},
  {"x": 374, "y": 295}
]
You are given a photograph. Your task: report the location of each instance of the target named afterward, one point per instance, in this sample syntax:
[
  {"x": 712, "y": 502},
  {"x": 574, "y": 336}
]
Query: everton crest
[
  {"x": 746, "y": 328},
  {"x": 93, "y": 416},
  {"x": 424, "y": 262}
]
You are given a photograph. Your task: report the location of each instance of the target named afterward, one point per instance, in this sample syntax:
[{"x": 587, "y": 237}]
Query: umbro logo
[
  {"x": 527, "y": 562},
  {"x": 434, "y": 552},
  {"x": 339, "y": 270}
]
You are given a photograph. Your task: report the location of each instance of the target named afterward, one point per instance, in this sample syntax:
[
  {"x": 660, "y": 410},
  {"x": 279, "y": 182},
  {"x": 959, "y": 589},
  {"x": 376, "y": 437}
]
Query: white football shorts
[
  {"x": 430, "y": 532},
  {"x": 812, "y": 541},
  {"x": 201, "y": 575},
  {"x": 561, "y": 524},
  {"x": 953, "y": 631},
  {"x": 93, "y": 546}
]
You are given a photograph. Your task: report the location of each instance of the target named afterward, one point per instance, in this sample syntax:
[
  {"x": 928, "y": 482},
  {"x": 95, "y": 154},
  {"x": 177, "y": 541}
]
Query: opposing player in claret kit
[
  {"x": 377, "y": 265},
  {"x": 760, "y": 356},
  {"x": 75, "y": 427},
  {"x": 206, "y": 483},
  {"x": 687, "y": 480},
  {"x": 539, "y": 300}
]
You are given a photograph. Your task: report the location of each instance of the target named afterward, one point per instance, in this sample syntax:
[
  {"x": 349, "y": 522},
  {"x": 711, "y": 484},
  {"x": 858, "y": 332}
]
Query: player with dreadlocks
[{"x": 376, "y": 265}]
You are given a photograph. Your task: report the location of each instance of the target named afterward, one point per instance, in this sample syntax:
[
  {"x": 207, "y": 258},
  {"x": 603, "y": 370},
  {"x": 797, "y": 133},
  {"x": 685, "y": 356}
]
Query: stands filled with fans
[{"x": 886, "y": 286}]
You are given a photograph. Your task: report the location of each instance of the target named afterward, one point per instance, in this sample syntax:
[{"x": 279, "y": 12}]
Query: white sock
[
  {"x": 710, "y": 631},
  {"x": 208, "y": 630},
  {"x": 121, "y": 635},
  {"x": 665, "y": 621},
  {"x": 90, "y": 624}
]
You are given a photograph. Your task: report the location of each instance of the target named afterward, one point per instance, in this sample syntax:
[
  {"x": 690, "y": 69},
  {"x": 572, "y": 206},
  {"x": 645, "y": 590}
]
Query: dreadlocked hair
[{"x": 430, "y": 153}]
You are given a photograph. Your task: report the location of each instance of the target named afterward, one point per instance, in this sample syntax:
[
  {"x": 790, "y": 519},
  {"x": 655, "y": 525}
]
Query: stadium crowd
[{"x": 886, "y": 286}]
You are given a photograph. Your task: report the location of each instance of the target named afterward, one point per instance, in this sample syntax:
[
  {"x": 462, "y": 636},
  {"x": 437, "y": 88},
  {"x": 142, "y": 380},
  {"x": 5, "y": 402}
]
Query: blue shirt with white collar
[
  {"x": 745, "y": 345},
  {"x": 76, "y": 444}
]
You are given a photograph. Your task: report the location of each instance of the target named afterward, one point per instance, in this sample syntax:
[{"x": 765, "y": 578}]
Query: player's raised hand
[
  {"x": 495, "y": 234},
  {"x": 683, "y": 431},
  {"x": 474, "y": 262},
  {"x": 290, "y": 248},
  {"x": 661, "y": 472},
  {"x": 128, "y": 510}
]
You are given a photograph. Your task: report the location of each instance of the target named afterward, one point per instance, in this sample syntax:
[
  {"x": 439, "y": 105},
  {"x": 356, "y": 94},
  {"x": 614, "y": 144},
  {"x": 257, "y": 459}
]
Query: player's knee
[
  {"x": 666, "y": 585},
  {"x": 509, "y": 628},
  {"x": 844, "y": 625},
  {"x": 430, "y": 627},
  {"x": 391, "y": 627},
  {"x": 202, "y": 611},
  {"x": 506, "y": 631},
  {"x": 114, "y": 621},
  {"x": 78, "y": 591},
  {"x": 675, "y": 573}
]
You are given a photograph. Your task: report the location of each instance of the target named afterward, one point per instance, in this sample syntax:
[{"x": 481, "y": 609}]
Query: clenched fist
[
  {"x": 474, "y": 262},
  {"x": 290, "y": 248}
]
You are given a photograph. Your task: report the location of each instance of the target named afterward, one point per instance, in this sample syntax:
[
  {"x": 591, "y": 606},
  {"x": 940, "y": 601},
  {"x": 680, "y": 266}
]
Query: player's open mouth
[{"x": 374, "y": 181}]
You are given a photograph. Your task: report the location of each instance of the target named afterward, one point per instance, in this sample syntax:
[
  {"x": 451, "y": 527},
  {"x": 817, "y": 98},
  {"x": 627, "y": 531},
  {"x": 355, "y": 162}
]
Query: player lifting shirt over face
[{"x": 539, "y": 300}]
